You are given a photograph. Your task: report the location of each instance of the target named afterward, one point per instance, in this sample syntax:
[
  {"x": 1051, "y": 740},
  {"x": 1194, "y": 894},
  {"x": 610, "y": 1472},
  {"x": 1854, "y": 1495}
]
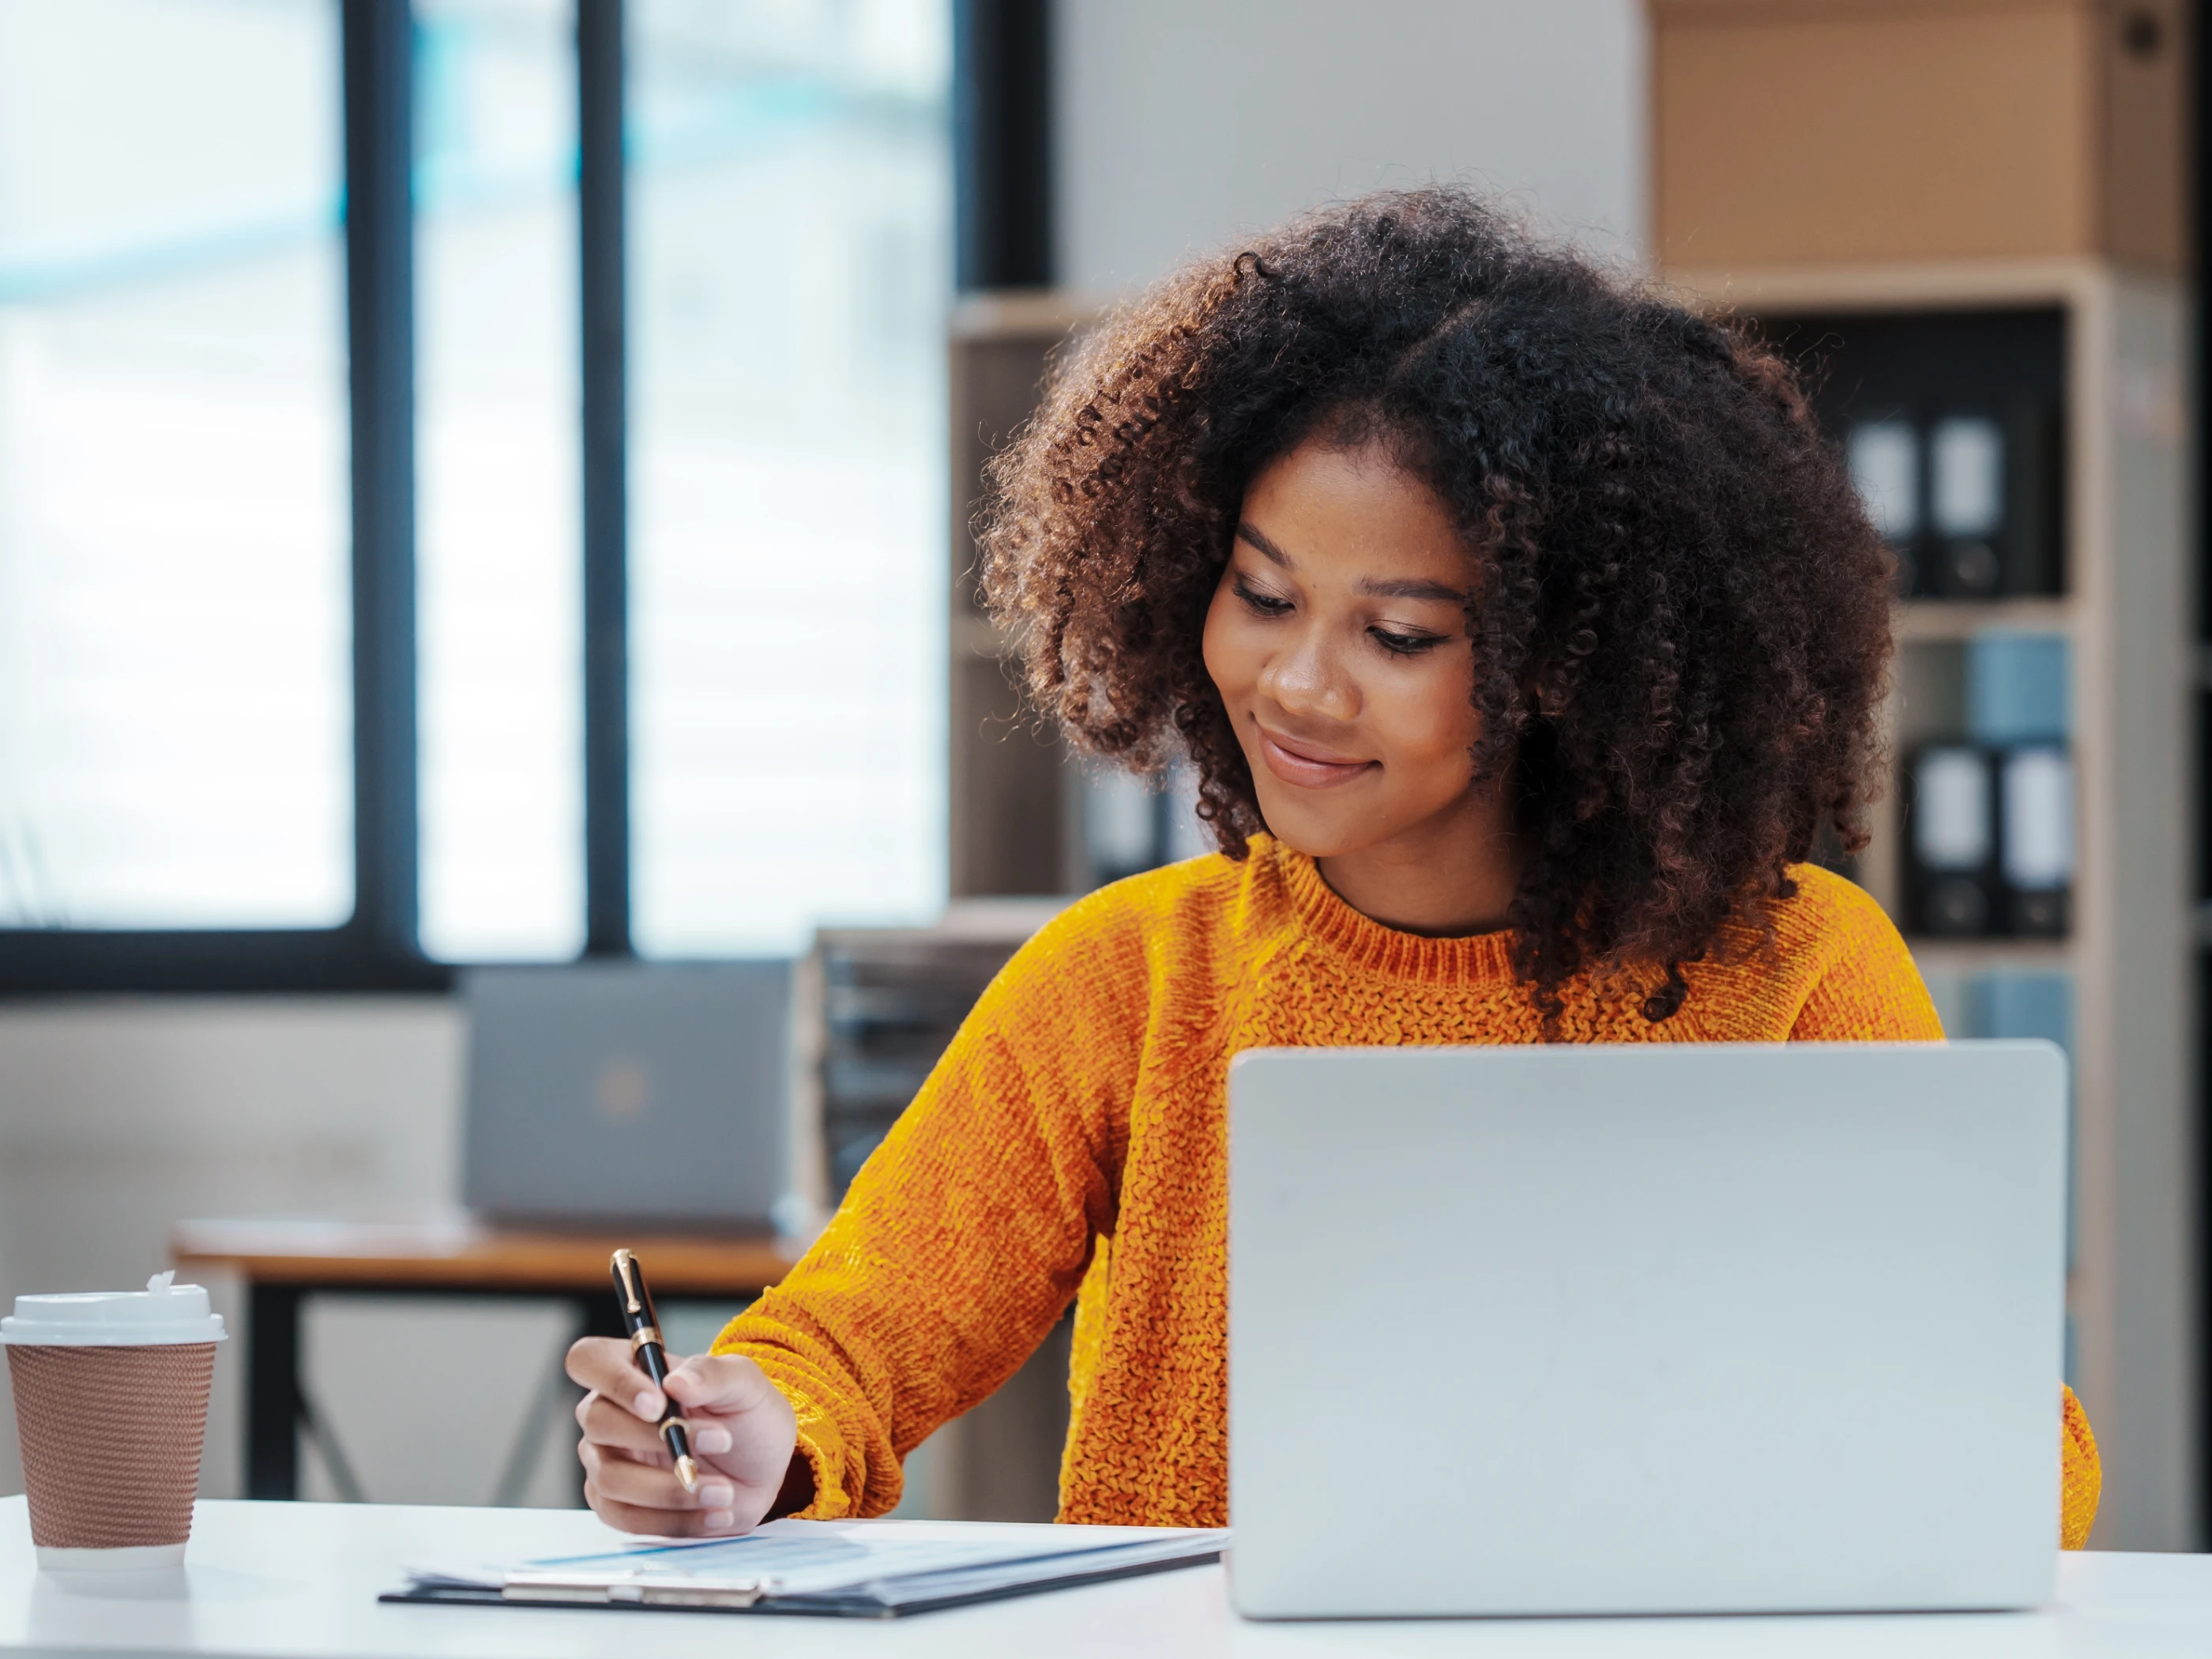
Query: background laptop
[
  {"x": 1581, "y": 1330},
  {"x": 629, "y": 1093}
]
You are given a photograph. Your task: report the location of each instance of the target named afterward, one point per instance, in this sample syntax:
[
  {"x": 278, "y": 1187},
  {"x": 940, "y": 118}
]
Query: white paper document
[{"x": 865, "y": 1568}]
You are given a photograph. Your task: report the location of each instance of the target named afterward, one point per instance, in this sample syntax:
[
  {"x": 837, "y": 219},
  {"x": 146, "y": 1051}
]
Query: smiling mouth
[{"x": 1307, "y": 765}]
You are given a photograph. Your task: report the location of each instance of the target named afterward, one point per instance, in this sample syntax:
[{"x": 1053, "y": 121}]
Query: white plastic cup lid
[{"x": 164, "y": 1312}]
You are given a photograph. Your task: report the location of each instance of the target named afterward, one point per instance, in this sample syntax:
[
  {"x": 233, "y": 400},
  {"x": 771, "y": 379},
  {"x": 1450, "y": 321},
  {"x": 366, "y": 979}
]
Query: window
[
  {"x": 297, "y": 548},
  {"x": 499, "y": 557},
  {"x": 175, "y": 746},
  {"x": 790, "y": 268}
]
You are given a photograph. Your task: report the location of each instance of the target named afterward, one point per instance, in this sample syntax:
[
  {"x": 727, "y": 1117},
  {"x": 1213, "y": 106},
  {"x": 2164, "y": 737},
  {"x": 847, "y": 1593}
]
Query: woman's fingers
[
  {"x": 601, "y": 1420},
  {"x": 605, "y": 1366},
  {"x": 608, "y": 1424},
  {"x": 719, "y": 1384},
  {"x": 649, "y": 1486},
  {"x": 659, "y": 1523},
  {"x": 726, "y": 1384}
]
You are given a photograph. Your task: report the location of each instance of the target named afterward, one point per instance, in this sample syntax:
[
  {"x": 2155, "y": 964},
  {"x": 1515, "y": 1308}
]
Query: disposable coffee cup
[{"x": 111, "y": 1412}]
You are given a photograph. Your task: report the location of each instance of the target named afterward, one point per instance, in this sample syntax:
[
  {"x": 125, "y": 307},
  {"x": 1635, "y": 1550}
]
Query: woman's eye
[
  {"x": 1266, "y": 604},
  {"x": 1404, "y": 644}
]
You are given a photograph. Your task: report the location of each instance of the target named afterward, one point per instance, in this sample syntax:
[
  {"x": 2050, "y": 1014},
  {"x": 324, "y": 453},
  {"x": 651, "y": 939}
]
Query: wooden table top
[{"x": 465, "y": 1253}]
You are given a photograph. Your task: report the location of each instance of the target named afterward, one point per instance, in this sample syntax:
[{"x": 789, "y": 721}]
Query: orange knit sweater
[{"x": 1071, "y": 1145}]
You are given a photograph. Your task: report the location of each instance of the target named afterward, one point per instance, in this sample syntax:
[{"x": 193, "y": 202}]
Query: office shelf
[
  {"x": 1926, "y": 622},
  {"x": 1983, "y": 956},
  {"x": 2127, "y": 616}
]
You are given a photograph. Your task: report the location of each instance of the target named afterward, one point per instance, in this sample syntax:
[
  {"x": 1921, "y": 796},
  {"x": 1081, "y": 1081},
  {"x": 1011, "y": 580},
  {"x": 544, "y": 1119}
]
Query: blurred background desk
[{"x": 282, "y": 1262}]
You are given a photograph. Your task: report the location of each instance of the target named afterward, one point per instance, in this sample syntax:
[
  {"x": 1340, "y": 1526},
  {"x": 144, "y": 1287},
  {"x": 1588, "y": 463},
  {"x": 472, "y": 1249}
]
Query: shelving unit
[
  {"x": 1017, "y": 821},
  {"x": 1825, "y": 158},
  {"x": 2127, "y": 618}
]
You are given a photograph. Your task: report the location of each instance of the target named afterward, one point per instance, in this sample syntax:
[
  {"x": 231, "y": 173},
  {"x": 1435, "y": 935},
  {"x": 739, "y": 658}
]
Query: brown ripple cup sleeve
[
  {"x": 111, "y": 1439},
  {"x": 111, "y": 1392}
]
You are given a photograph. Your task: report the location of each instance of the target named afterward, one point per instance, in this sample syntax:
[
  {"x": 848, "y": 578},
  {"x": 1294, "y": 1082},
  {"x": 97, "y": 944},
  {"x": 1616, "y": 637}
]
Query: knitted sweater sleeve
[
  {"x": 964, "y": 1236},
  {"x": 1869, "y": 991}
]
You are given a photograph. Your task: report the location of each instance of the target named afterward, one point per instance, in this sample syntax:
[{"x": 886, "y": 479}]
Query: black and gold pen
[{"x": 652, "y": 1356}]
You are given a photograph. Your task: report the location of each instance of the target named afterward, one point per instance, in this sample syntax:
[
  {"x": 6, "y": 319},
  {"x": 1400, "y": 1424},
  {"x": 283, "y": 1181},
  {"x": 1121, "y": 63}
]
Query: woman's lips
[{"x": 1304, "y": 764}]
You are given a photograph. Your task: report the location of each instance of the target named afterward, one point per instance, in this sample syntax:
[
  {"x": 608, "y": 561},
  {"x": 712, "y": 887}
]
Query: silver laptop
[
  {"x": 641, "y": 1094},
  {"x": 1615, "y": 1330}
]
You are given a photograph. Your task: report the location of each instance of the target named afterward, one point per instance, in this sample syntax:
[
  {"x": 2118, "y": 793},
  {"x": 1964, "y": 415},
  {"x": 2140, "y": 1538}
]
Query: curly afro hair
[{"x": 1681, "y": 620}]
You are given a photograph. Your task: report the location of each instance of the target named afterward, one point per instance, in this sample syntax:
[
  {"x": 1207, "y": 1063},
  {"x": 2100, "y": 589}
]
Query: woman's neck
[{"x": 1449, "y": 876}]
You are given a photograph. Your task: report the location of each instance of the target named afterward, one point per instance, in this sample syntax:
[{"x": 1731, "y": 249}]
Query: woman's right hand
[{"x": 743, "y": 1437}]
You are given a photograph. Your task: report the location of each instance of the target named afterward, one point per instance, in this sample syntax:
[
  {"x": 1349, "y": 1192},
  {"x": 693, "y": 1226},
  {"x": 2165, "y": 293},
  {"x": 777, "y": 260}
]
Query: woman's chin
[{"x": 1305, "y": 831}]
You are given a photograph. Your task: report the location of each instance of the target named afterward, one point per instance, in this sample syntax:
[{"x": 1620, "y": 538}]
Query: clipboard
[{"x": 853, "y": 1569}]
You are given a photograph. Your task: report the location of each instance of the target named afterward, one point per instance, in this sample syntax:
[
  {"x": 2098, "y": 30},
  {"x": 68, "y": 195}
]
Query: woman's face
[{"x": 1338, "y": 640}]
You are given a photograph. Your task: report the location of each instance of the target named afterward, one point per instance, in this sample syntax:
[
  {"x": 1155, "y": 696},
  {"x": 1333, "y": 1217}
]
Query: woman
[{"x": 1526, "y": 638}]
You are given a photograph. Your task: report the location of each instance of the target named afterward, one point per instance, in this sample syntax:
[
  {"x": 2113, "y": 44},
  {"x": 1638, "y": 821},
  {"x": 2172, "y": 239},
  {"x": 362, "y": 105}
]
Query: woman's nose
[{"x": 1307, "y": 678}]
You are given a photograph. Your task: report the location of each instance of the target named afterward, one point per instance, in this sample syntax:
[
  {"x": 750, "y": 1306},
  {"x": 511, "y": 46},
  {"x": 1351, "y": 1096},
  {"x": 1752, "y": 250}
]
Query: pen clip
[{"x": 625, "y": 1266}]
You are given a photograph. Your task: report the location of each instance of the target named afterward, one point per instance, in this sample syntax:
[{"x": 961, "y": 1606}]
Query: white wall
[
  {"x": 118, "y": 1119},
  {"x": 1184, "y": 125}
]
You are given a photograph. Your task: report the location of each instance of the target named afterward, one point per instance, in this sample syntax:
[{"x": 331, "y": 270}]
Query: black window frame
[
  {"x": 1002, "y": 190},
  {"x": 375, "y": 949}
]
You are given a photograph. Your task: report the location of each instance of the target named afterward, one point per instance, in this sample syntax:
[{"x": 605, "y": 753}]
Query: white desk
[{"x": 301, "y": 1579}]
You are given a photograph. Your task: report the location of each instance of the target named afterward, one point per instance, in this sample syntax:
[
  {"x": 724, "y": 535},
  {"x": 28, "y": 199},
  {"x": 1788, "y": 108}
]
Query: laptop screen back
[
  {"x": 629, "y": 1093},
  {"x": 1652, "y": 1329}
]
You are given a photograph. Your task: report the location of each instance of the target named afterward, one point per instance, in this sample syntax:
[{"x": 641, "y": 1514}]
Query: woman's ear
[{"x": 1533, "y": 676}]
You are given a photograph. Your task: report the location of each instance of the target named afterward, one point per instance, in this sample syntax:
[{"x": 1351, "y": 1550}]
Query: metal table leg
[{"x": 272, "y": 1392}]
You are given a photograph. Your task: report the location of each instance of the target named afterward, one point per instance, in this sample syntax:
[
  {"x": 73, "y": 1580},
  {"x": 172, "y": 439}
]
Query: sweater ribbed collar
[{"x": 1366, "y": 943}]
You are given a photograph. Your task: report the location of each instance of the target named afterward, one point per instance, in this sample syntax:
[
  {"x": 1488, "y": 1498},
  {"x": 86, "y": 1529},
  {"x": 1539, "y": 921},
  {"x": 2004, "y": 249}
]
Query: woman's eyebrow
[
  {"x": 1249, "y": 532},
  {"x": 1408, "y": 590}
]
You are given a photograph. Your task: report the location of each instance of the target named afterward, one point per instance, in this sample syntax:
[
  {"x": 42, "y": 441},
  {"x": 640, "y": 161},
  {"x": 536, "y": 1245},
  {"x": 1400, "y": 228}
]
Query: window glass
[
  {"x": 175, "y": 655},
  {"x": 790, "y": 225},
  {"x": 499, "y": 585}
]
